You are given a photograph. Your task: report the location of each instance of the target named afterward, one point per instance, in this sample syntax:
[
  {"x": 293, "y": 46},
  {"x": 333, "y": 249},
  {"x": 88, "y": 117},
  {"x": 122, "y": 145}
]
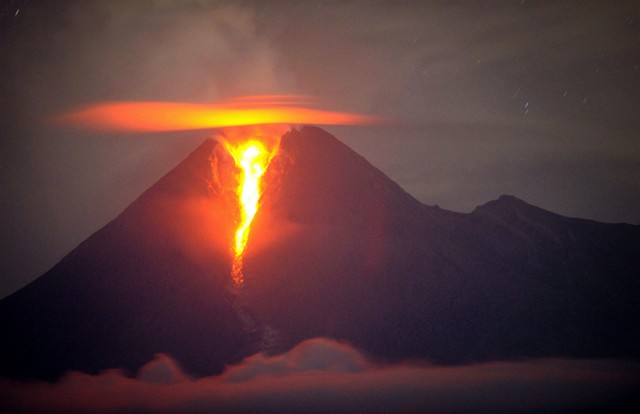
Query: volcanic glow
[
  {"x": 176, "y": 116},
  {"x": 252, "y": 148},
  {"x": 252, "y": 157}
]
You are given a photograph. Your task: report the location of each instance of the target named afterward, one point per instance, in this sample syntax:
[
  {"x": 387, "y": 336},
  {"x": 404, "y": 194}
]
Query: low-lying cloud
[{"x": 322, "y": 375}]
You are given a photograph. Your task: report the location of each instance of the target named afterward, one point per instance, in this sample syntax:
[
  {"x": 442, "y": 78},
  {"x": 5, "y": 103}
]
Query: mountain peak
[
  {"x": 505, "y": 200},
  {"x": 315, "y": 177},
  {"x": 337, "y": 249},
  {"x": 509, "y": 198},
  {"x": 510, "y": 207}
]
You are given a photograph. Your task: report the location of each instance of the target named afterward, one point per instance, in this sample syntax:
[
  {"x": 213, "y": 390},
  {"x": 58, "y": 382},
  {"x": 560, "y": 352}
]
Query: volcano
[{"x": 337, "y": 250}]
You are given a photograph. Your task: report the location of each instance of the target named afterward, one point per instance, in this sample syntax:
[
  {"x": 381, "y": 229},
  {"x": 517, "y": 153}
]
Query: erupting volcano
[
  {"x": 252, "y": 149},
  {"x": 336, "y": 249}
]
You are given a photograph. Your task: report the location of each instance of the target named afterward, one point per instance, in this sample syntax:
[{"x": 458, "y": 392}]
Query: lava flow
[
  {"x": 251, "y": 152},
  {"x": 252, "y": 158}
]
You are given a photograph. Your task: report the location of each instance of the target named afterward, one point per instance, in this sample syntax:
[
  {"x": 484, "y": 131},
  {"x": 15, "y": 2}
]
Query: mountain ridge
[{"x": 338, "y": 250}]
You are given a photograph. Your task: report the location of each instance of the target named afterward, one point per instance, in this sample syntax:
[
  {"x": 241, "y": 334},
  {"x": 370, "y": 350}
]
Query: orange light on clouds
[
  {"x": 175, "y": 116},
  {"x": 251, "y": 130}
]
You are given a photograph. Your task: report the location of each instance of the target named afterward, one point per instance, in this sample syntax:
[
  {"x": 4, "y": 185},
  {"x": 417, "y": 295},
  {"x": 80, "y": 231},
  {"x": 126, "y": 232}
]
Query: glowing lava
[
  {"x": 252, "y": 158},
  {"x": 252, "y": 150}
]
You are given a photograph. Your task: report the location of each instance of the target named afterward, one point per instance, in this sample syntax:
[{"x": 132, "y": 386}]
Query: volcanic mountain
[{"x": 337, "y": 249}]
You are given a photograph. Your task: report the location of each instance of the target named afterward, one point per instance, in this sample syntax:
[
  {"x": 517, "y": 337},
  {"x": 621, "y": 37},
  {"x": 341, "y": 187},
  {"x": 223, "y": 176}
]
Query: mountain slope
[
  {"x": 362, "y": 260},
  {"x": 337, "y": 249},
  {"x": 153, "y": 280}
]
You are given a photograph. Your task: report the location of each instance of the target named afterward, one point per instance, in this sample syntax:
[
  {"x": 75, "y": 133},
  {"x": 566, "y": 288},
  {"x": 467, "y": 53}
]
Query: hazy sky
[{"x": 538, "y": 99}]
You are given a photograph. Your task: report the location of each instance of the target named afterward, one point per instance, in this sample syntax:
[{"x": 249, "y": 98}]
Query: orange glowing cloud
[
  {"x": 251, "y": 130},
  {"x": 175, "y": 116}
]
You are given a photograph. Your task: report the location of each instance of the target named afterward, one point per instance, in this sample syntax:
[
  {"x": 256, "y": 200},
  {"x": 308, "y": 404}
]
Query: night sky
[{"x": 538, "y": 99}]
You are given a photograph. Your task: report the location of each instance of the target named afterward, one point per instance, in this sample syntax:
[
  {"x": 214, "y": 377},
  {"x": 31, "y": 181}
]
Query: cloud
[
  {"x": 317, "y": 355},
  {"x": 458, "y": 63},
  {"x": 162, "y": 50},
  {"x": 161, "y": 370},
  {"x": 59, "y": 55},
  {"x": 321, "y": 375}
]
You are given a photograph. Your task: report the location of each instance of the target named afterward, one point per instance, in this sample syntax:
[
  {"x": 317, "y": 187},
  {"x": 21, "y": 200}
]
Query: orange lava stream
[
  {"x": 252, "y": 142},
  {"x": 252, "y": 158}
]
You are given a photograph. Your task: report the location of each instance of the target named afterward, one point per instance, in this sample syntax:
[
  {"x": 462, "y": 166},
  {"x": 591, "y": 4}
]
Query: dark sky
[{"x": 538, "y": 99}]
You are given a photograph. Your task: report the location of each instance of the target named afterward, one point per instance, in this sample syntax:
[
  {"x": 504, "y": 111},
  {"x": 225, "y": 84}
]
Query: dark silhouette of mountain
[
  {"x": 152, "y": 280},
  {"x": 363, "y": 260},
  {"x": 337, "y": 249}
]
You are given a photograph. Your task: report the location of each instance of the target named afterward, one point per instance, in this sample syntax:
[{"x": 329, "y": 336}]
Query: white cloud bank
[{"x": 322, "y": 375}]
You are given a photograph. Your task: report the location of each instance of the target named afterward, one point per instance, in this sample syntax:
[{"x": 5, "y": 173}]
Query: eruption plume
[{"x": 252, "y": 149}]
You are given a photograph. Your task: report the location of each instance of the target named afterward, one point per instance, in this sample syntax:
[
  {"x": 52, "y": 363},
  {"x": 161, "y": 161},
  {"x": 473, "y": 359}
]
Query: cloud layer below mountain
[{"x": 322, "y": 375}]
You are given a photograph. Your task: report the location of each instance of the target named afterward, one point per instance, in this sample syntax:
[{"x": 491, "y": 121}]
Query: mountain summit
[{"x": 337, "y": 249}]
